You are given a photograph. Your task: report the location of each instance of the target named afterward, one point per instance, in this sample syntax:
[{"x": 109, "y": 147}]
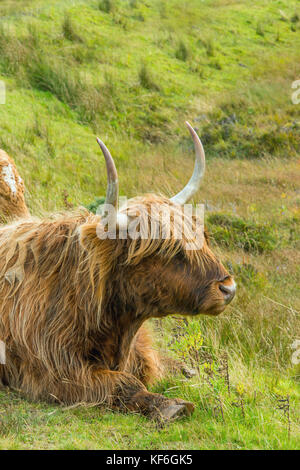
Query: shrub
[
  {"x": 233, "y": 232},
  {"x": 187, "y": 342},
  {"x": 233, "y": 131},
  {"x": 93, "y": 206}
]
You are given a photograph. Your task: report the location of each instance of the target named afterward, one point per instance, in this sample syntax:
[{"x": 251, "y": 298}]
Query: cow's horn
[
  {"x": 112, "y": 191},
  {"x": 194, "y": 183}
]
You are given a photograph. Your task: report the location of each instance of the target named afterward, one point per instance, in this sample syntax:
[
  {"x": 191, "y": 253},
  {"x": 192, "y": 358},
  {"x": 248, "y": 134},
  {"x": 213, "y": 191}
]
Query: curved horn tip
[
  {"x": 193, "y": 185},
  {"x": 101, "y": 144},
  {"x": 190, "y": 128},
  {"x": 112, "y": 176}
]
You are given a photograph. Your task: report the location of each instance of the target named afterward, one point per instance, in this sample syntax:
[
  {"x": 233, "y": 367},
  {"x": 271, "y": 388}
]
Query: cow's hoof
[{"x": 177, "y": 409}]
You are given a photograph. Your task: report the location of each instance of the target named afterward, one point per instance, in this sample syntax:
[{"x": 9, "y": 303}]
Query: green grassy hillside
[{"x": 132, "y": 72}]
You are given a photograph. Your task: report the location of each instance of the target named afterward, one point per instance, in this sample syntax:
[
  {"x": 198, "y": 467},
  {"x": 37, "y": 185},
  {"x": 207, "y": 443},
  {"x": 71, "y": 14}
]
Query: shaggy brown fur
[
  {"x": 72, "y": 306},
  {"x": 12, "y": 202}
]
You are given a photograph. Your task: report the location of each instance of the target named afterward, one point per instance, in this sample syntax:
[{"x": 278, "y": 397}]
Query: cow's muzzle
[{"x": 228, "y": 289}]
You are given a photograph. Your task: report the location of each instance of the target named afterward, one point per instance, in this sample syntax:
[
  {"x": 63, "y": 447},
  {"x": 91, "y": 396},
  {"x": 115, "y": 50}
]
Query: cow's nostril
[
  {"x": 225, "y": 289},
  {"x": 228, "y": 291}
]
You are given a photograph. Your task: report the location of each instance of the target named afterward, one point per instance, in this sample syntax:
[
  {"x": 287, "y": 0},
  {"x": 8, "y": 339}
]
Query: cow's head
[{"x": 159, "y": 250}]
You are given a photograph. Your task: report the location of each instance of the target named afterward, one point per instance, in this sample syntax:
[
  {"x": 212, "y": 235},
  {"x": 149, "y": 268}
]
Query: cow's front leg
[
  {"x": 119, "y": 391},
  {"x": 130, "y": 394}
]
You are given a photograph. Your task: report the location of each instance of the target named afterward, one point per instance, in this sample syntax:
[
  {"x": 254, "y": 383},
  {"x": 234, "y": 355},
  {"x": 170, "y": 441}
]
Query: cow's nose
[{"x": 228, "y": 289}]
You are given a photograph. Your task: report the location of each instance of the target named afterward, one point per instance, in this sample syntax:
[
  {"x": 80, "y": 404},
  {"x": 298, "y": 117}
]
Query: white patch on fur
[
  {"x": 9, "y": 178},
  {"x": 14, "y": 274}
]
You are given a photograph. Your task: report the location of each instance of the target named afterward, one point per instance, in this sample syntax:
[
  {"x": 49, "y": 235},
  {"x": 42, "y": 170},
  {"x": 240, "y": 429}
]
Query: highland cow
[
  {"x": 12, "y": 201},
  {"x": 73, "y": 303}
]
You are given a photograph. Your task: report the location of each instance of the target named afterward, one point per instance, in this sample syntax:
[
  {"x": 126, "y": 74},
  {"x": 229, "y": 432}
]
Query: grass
[
  {"x": 182, "y": 52},
  {"x": 106, "y": 5},
  {"x": 32, "y": 425},
  {"x": 69, "y": 30},
  {"x": 146, "y": 80},
  {"x": 120, "y": 70}
]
